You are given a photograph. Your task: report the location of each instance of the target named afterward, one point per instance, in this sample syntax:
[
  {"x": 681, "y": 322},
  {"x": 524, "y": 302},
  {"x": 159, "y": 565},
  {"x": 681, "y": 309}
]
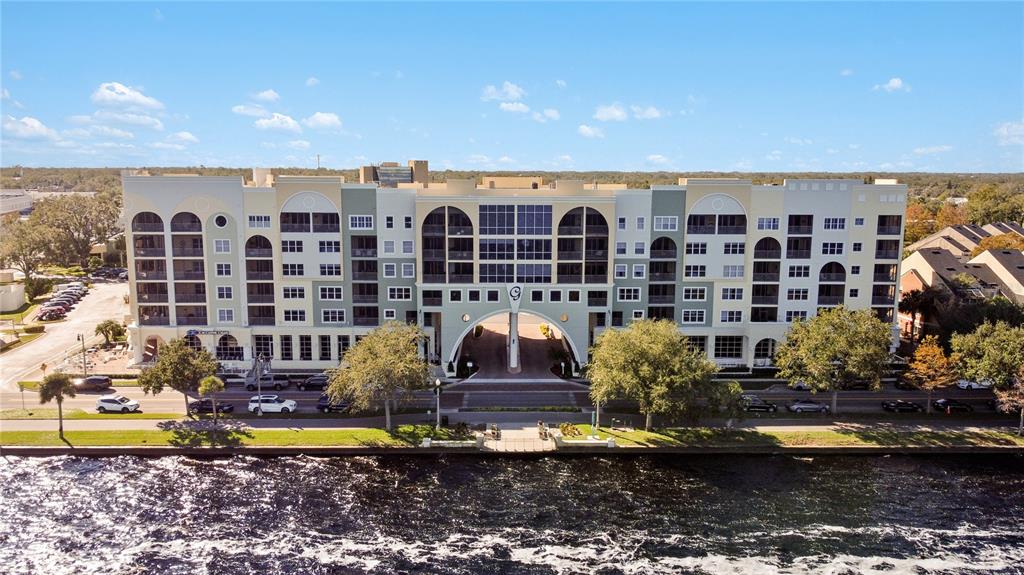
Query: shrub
[
  {"x": 569, "y": 430},
  {"x": 478, "y": 331},
  {"x": 94, "y": 262},
  {"x": 35, "y": 287},
  {"x": 34, "y": 328}
]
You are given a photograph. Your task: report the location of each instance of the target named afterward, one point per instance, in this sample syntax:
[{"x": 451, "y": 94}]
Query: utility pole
[
  {"x": 318, "y": 162},
  {"x": 85, "y": 369},
  {"x": 437, "y": 392}
]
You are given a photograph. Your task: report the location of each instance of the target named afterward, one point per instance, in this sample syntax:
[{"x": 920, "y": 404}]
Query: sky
[{"x": 530, "y": 86}]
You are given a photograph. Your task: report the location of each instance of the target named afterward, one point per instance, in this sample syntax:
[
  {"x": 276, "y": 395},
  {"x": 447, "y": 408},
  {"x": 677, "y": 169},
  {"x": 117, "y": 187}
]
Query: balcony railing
[
  {"x": 460, "y": 278},
  {"x": 766, "y": 276},
  {"x": 765, "y": 299},
  {"x": 152, "y": 298},
  {"x": 434, "y": 278},
  {"x": 364, "y": 298},
  {"x": 767, "y": 254},
  {"x": 830, "y": 299},
  {"x": 888, "y": 230},
  {"x": 259, "y": 252},
  {"x": 147, "y": 227},
  {"x": 326, "y": 228},
  {"x": 190, "y": 297},
  {"x": 155, "y": 320},
  {"x": 887, "y": 254},
  {"x": 365, "y": 321},
  {"x": 364, "y": 252},
  {"x": 189, "y": 275},
  {"x": 258, "y": 275},
  {"x": 261, "y": 320},
  {"x": 432, "y": 301},
  {"x": 459, "y": 255},
  {"x": 433, "y": 255},
  {"x": 801, "y": 230},
  {"x": 732, "y": 229},
  {"x": 186, "y": 227},
  {"x": 595, "y": 279},
  {"x": 570, "y": 230},
  {"x": 596, "y": 254},
  {"x": 883, "y": 300},
  {"x": 150, "y": 276},
  {"x": 662, "y": 277},
  {"x": 433, "y": 230},
  {"x": 663, "y": 254},
  {"x": 460, "y": 230},
  {"x": 597, "y": 301},
  {"x": 570, "y": 279},
  {"x": 186, "y": 252},
  {"x": 196, "y": 320},
  {"x": 884, "y": 278},
  {"x": 831, "y": 277},
  {"x": 150, "y": 252},
  {"x": 700, "y": 229},
  {"x": 570, "y": 255},
  {"x": 295, "y": 228},
  {"x": 364, "y": 276},
  {"x": 261, "y": 298},
  {"x": 661, "y": 299},
  {"x": 798, "y": 254},
  {"x": 596, "y": 230}
]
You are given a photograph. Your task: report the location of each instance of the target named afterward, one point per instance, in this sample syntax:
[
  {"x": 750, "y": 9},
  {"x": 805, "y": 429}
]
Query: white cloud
[
  {"x": 893, "y": 85},
  {"x": 561, "y": 83},
  {"x": 566, "y": 158},
  {"x": 6, "y": 95},
  {"x": 114, "y": 145},
  {"x": 278, "y": 122},
  {"x": 479, "y": 159},
  {"x": 645, "y": 112},
  {"x": 183, "y": 137},
  {"x": 508, "y": 92},
  {"x": 166, "y": 146},
  {"x": 657, "y": 159},
  {"x": 254, "y": 110},
  {"x": 611, "y": 113},
  {"x": 117, "y": 94},
  {"x": 774, "y": 155},
  {"x": 27, "y": 128},
  {"x": 298, "y": 145},
  {"x": 506, "y": 160},
  {"x": 312, "y": 81},
  {"x": 322, "y": 120},
  {"x": 1010, "y": 133},
  {"x": 267, "y": 96},
  {"x": 798, "y": 141},
  {"x": 98, "y": 130},
  {"x": 854, "y": 146},
  {"x": 15, "y": 75},
  {"x": 129, "y": 118},
  {"x": 590, "y": 131},
  {"x": 846, "y": 72},
  {"x": 928, "y": 150},
  {"x": 158, "y": 15},
  {"x": 547, "y": 114},
  {"x": 831, "y": 151},
  {"x": 517, "y": 107}
]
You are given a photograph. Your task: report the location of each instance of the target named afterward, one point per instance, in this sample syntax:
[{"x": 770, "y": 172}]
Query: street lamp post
[
  {"x": 259, "y": 384},
  {"x": 437, "y": 392},
  {"x": 85, "y": 369}
]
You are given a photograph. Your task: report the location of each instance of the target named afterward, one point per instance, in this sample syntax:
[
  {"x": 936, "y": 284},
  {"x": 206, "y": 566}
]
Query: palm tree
[
  {"x": 210, "y": 385},
  {"x": 911, "y": 303},
  {"x": 109, "y": 329},
  {"x": 55, "y": 387},
  {"x": 923, "y": 303}
]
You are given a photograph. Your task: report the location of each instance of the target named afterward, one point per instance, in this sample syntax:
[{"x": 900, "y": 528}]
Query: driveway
[{"x": 490, "y": 351}]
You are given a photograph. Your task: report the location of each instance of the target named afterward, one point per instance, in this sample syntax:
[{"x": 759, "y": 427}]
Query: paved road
[{"x": 104, "y": 301}]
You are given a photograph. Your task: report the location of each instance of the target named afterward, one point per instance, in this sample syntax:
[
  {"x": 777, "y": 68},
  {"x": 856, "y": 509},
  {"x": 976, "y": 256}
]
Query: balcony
[
  {"x": 261, "y": 298},
  {"x": 150, "y": 276},
  {"x": 190, "y": 298},
  {"x": 887, "y": 254},
  {"x": 662, "y": 277},
  {"x": 883, "y": 278},
  {"x": 434, "y": 278},
  {"x": 663, "y": 254},
  {"x": 570, "y": 256},
  {"x": 152, "y": 298},
  {"x": 830, "y": 299},
  {"x": 186, "y": 227},
  {"x": 661, "y": 299},
  {"x": 365, "y": 321},
  {"x": 364, "y": 252},
  {"x": 433, "y": 230},
  {"x": 364, "y": 276},
  {"x": 433, "y": 255},
  {"x": 801, "y": 230},
  {"x": 883, "y": 300},
  {"x": 798, "y": 254},
  {"x": 196, "y": 320},
  {"x": 258, "y": 275},
  {"x": 155, "y": 320},
  {"x": 767, "y": 254},
  {"x": 764, "y": 300},
  {"x": 700, "y": 229},
  {"x": 595, "y": 279},
  {"x": 766, "y": 276},
  {"x": 295, "y": 228},
  {"x": 179, "y": 252},
  {"x": 259, "y": 253},
  {"x": 364, "y": 298},
  {"x": 888, "y": 230},
  {"x": 570, "y": 230},
  {"x": 147, "y": 227},
  {"x": 597, "y": 230},
  {"x": 596, "y": 254},
  {"x": 458, "y": 255},
  {"x": 460, "y": 278},
  {"x": 569, "y": 279},
  {"x": 261, "y": 320},
  {"x": 831, "y": 277},
  {"x": 597, "y": 301},
  {"x": 150, "y": 252},
  {"x": 189, "y": 275},
  {"x": 326, "y": 228},
  {"x": 460, "y": 230},
  {"x": 432, "y": 301},
  {"x": 732, "y": 229}
]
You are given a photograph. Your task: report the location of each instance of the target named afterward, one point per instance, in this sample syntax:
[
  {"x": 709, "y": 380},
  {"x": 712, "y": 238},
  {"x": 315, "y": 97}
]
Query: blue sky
[{"x": 741, "y": 86}]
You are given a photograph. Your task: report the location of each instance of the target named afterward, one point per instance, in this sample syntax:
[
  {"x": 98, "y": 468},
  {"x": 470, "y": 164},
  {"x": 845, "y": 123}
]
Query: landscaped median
[{"x": 51, "y": 413}]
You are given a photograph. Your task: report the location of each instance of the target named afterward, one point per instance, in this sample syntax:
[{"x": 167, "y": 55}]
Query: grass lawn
[
  {"x": 22, "y": 340},
  {"x": 23, "y": 311},
  {"x": 181, "y": 435},
  {"x": 51, "y": 413},
  {"x": 866, "y": 436},
  {"x": 117, "y": 383}
]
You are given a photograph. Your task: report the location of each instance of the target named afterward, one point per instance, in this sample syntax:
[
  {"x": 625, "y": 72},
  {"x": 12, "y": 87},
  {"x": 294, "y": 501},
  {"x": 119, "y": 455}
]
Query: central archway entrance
[{"x": 523, "y": 346}]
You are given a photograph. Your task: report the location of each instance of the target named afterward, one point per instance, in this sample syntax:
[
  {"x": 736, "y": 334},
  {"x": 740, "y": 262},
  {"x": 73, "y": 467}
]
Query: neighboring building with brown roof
[{"x": 961, "y": 240}]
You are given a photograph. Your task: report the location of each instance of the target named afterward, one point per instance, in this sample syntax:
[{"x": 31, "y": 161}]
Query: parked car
[
  {"x": 271, "y": 404},
  {"x": 55, "y": 305},
  {"x": 91, "y": 383},
  {"x": 206, "y": 406},
  {"x": 755, "y": 403},
  {"x": 968, "y": 384},
  {"x": 901, "y": 406},
  {"x": 800, "y": 386},
  {"x": 807, "y": 406},
  {"x": 232, "y": 378},
  {"x": 123, "y": 275},
  {"x": 951, "y": 406},
  {"x": 858, "y": 384},
  {"x": 278, "y": 381},
  {"x": 51, "y": 314},
  {"x": 325, "y": 405},
  {"x": 68, "y": 293},
  {"x": 116, "y": 404},
  {"x": 318, "y": 381},
  {"x": 994, "y": 406}
]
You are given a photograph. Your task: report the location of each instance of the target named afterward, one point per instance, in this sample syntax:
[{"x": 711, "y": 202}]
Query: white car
[
  {"x": 968, "y": 384},
  {"x": 116, "y": 404},
  {"x": 271, "y": 404}
]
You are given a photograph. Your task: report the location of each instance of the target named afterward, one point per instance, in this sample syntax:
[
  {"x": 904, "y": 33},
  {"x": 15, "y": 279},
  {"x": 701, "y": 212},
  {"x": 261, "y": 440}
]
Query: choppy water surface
[{"x": 474, "y": 515}]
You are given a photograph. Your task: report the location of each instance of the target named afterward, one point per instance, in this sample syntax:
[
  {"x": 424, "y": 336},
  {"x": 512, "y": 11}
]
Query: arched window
[
  {"x": 832, "y": 272},
  {"x": 186, "y": 222},
  {"x": 767, "y": 249},
  {"x": 228, "y": 348},
  {"x": 147, "y": 222},
  {"x": 258, "y": 247},
  {"x": 193, "y": 342},
  {"x": 663, "y": 248}
]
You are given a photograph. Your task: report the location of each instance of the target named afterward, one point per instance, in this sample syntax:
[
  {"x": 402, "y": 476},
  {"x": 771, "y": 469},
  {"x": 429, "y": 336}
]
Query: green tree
[
  {"x": 1009, "y": 241},
  {"x": 23, "y": 247},
  {"x": 385, "y": 365},
  {"x": 650, "y": 362},
  {"x": 834, "y": 349},
  {"x": 1012, "y": 399},
  {"x": 76, "y": 223},
  {"x": 56, "y": 387},
  {"x": 110, "y": 330},
  {"x": 920, "y": 302},
  {"x": 930, "y": 368},
  {"x": 993, "y": 352},
  {"x": 210, "y": 386},
  {"x": 995, "y": 203},
  {"x": 179, "y": 367}
]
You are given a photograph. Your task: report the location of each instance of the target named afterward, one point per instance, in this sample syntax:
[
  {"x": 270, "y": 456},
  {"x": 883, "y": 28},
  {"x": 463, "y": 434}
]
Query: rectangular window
[
  {"x": 224, "y": 292},
  {"x": 835, "y": 223},
  {"x": 555, "y": 296},
  {"x": 639, "y": 271},
  {"x": 729, "y": 346},
  {"x": 408, "y": 270},
  {"x": 620, "y": 248},
  {"x": 692, "y": 271},
  {"x": 734, "y": 248},
  {"x": 854, "y": 292},
  {"x": 292, "y": 269},
  {"x": 360, "y": 222},
  {"x": 389, "y": 246},
  {"x": 223, "y": 270},
  {"x": 858, "y": 221},
  {"x": 344, "y": 343},
  {"x": 259, "y": 221},
  {"x": 330, "y": 269},
  {"x": 533, "y": 249},
  {"x": 330, "y": 246},
  {"x": 857, "y": 246},
  {"x": 692, "y": 316},
  {"x": 497, "y": 220},
  {"x": 291, "y": 246},
  {"x": 638, "y": 314},
  {"x": 492, "y": 295},
  {"x": 620, "y": 271},
  {"x": 832, "y": 248},
  {"x": 332, "y": 315},
  {"x": 497, "y": 249},
  {"x": 855, "y": 270},
  {"x": 622, "y": 223},
  {"x": 799, "y": 271},
  {"x": 294, "y": 315},
  {"x": 639, "y": 248},
  {"x": 474, "y": 295},
  {"x": 533, "y": 220},
  {"x": 222, "y": 246},
  {"x": 793, "y": 315},
  {"x": 306, "y": 347},
  {"x": 390, "y": 314},
  {"x": 732, "y": 293},
  {"x": 732, "y": 271},
  {"x": 695, "y": 293},
  {"x": 325, "y": 348},
  {"x": 286, "y": 347},
  {"x": 389, "y": 222},
  {"x": 455, "y": 295},
  {"x": 536, "y": 295},
  {"x": 294, "y": 292},
  {"x": 408, "y": 222},
  {"x": 497, "y": 273},
  {"x": 629, "y": 294},
  {"x": 225, "y": 315},
  {"x": 533, "y": 273},
  {"x": 263, "y": 345},
  {"x": 731, "y": 316},
  {"x": 797, "y": 294},
  {"x": 334, "y": 293},
  {"x": 696, "y": 248},
  {"x": 767, "y": 223},
  {"x": 407, "y": 246},
  {"x": 666, "y": 223},
  {"x": 397, "y": 293},
  {"x": 641, "y": 223},
  {"x": 389, "y": 270},
  {"x": 616, "y": 319},
  {"x": 574, "y": 295}
]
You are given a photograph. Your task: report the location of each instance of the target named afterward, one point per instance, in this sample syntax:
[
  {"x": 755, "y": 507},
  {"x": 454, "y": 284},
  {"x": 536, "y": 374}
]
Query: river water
[{"x": 756, "y": 515}]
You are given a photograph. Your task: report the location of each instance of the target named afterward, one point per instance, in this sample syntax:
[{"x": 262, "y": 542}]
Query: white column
[{"x": 513, "y": 343}]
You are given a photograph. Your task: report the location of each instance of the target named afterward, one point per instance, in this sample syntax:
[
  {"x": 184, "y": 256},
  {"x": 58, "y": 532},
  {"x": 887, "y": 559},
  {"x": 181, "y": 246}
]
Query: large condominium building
[{"x": 298, "y": 268}]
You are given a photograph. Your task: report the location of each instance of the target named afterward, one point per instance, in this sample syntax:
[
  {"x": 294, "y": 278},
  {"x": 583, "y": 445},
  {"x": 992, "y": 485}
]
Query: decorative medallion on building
[{"x": 515, "y": 296}]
